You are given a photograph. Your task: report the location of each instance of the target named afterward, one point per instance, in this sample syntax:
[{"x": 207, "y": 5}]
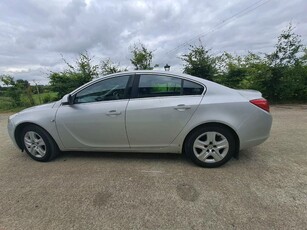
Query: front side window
[
  {"x": 159, "y": 86},
  {"x": 104, "y": 90}
]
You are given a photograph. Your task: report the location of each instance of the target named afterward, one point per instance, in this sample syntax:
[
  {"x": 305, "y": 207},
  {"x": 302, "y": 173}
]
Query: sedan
[{"x": 146, "y": 111}]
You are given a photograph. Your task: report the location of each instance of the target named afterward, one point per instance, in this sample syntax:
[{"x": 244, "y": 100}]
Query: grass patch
[
  {"x": 6, "y": 103},
  {"x": 41, "y": 99}
]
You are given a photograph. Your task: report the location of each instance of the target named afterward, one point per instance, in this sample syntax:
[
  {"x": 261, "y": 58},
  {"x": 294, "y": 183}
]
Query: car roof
[
  {"x": 203, "y": 81},
  {"x": 160, "y": 72}
]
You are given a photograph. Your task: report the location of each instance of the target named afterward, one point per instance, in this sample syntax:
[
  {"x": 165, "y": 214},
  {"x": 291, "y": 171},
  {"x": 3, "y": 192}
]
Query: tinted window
[
  {"x": 158, "y": 86},
  {"x": 191, "y": 88},
  {"x": 105, "y": 90}
]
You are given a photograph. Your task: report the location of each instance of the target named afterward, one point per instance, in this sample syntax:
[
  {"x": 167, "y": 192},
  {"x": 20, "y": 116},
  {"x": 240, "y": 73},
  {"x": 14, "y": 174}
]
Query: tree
[
  {"x": 109, "y": 67},
  {"x": 288, "y": 79},
  {"x": 198, "y": 62},
  {"x": 25, "y": 88},
  {"x": 288, "y": 48},
  {"x": 281, "y": 76},
  {"x": 141, "y": 57},
  {"x": 16, "y": 89},
  {"x": 7, "y": 80},
  {"x": 74, "y": 76},
  {"x": 231, "y": 70},
  {"x": 242, "y": 72}
]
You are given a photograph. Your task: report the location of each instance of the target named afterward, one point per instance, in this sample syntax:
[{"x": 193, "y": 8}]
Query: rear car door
[{"x": 160, "y": 108}]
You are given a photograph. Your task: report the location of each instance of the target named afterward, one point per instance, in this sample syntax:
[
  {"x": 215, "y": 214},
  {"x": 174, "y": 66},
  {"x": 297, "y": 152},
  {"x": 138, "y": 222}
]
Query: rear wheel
[
  {"x": 38, "y": 144},
  {"x": 210, "y": 146}
]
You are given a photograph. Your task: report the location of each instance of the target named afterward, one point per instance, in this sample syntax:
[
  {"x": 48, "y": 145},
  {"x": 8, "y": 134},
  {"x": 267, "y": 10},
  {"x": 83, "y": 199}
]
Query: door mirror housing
[{"x": 68, "y": 100}]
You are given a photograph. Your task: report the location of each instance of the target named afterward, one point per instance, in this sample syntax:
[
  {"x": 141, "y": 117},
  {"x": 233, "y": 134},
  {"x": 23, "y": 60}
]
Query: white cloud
[{"x": 34, "y": 33}]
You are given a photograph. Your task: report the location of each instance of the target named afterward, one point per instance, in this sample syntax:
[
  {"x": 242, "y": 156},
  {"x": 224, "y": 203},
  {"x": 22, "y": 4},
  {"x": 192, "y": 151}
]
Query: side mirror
[{"x": 68, "y": 100}]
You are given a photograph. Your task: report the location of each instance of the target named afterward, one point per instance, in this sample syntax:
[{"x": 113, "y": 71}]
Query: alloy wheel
[
  {"x": 211, "y": 147},
  {"x": 35, "y": 144}
]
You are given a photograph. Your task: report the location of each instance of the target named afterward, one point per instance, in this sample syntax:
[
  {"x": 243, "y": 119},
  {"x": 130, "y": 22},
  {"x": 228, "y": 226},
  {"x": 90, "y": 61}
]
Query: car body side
[{"x": 219, "y": 105}]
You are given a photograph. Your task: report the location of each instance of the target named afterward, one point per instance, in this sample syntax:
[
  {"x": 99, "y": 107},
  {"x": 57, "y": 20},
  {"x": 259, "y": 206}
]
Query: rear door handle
[
  {"x": 113, "y": 113},
  {"x": 182, "y": 107}
]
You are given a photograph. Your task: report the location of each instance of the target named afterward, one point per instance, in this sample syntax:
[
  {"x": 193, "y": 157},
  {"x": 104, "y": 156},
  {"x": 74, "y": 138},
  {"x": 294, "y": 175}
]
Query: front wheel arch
[
  {"x": 18, "y": 133},
  {"x": 215, "y": 124}
]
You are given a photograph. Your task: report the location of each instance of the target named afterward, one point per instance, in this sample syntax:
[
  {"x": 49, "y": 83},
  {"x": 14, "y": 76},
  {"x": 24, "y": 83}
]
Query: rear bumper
[
  {"x": 255, "y": 130},
  {"x": 251, "y": 143}
]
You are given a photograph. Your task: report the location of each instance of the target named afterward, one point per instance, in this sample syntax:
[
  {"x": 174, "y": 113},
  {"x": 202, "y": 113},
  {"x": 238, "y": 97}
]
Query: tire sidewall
[
  {"x": 225, "y": 132},
  {"x": 50, "y": 146}
]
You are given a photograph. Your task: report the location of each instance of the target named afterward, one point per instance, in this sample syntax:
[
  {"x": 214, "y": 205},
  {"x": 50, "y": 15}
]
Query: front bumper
[{"x": 11, "y": 130}]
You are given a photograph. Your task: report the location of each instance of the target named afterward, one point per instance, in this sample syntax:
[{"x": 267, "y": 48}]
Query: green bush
[
  {"x": 49, "y": 98},
  {"x": 6, "y": 103}
]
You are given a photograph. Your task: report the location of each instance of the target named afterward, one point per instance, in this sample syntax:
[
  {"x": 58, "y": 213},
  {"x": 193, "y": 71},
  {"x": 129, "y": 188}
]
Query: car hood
[{"x": 39, "y": 107}]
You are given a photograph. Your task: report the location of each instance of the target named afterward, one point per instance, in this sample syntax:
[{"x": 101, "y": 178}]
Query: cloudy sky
[{"x": 34, "y": 33}]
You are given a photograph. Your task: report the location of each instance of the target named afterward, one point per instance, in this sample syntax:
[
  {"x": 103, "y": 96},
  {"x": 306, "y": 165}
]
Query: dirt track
[{"x": 265, "y": 189}]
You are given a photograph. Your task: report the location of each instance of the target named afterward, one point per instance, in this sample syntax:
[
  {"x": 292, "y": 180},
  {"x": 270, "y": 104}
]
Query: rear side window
[
  {"x": 192, "y": 88},
  {"x": 160, "y": 86}
]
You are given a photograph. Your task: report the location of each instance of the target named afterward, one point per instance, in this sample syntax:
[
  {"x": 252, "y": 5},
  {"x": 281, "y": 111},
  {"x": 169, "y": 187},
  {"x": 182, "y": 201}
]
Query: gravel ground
[{"x": 265, "y": 189}]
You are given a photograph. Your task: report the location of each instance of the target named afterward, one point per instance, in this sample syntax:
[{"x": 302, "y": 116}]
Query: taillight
[{"x": 261, "y": 103}]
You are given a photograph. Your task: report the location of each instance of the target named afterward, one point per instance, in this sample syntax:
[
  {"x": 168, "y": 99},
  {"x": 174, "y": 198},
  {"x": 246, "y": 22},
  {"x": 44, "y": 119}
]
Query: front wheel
[
  {"x": 210, "y": 146},
  {"x": 38, "y": 144}
]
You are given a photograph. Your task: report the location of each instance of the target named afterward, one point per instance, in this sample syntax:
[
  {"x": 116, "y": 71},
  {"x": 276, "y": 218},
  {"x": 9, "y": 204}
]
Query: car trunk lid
[{"x": 250, "y": 94}]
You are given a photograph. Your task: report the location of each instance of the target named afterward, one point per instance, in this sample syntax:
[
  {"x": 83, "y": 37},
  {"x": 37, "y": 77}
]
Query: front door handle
[
  {"x": 182, "y": 107},
  {"x": 113, "y": 113}
]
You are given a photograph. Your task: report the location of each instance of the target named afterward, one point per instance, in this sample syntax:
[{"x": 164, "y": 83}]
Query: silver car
[{"x": 146, "y": 111}]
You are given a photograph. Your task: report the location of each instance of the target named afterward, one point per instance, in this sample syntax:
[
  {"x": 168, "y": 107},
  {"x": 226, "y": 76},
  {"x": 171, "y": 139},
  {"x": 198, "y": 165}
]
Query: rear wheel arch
[{"x": 215, "y": 124}]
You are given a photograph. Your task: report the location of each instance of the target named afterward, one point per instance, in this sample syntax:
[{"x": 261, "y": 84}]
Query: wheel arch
[
  {"x": 216, "y": 124},
  {"x": 18, "y": 132}
]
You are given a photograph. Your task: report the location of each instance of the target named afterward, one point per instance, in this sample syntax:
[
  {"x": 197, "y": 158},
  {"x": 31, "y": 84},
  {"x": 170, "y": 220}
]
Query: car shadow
[
  {"x": 146, "y": 157},
  {"x": 121, "y": 156}
]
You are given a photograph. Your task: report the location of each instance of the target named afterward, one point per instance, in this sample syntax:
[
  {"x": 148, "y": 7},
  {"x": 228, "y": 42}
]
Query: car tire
[
  {"x": 38, "y": 143},
  {"x": 210, "y": 146}
]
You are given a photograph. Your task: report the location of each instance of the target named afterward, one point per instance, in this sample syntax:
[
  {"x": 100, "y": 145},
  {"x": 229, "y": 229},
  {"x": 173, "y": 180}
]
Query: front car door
[
  {"x": 96, "y": 120},
  {"x": 161, "y": 107}
]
